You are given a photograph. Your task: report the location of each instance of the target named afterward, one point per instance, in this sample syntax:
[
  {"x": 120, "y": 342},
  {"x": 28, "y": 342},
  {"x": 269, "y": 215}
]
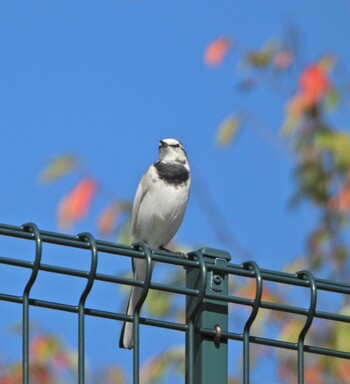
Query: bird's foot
[{"x": 182, "y": 255}]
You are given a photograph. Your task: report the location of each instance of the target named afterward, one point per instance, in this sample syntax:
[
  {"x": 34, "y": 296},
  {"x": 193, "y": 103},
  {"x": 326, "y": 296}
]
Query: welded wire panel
[{"x": 208, "y": 297}]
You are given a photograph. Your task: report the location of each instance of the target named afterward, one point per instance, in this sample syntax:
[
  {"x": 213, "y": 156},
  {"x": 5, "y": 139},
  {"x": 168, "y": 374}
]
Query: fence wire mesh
[{"x": 208, "y": 297}]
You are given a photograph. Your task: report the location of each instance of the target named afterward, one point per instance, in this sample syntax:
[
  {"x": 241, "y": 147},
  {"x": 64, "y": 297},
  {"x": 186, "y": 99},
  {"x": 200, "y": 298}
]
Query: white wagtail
[{"x": 159, "y": 207}]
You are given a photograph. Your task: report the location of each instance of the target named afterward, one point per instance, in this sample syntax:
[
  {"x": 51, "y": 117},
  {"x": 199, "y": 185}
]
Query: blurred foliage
[
  {"x": 217, "y": 50},
  {"x": 321, "y": 156},
  {"x": 228, "y": 130},
  {"x": 50, "y": 362},
  {"x": 58, "y": 167}
]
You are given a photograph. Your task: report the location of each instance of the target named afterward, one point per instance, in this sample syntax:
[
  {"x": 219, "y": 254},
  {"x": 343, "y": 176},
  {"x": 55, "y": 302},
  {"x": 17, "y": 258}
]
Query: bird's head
[{"x": 171, "y": 150}]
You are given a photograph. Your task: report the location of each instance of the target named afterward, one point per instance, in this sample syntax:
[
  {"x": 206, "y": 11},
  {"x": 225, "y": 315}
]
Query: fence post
[{"x": 207, "y": 357}]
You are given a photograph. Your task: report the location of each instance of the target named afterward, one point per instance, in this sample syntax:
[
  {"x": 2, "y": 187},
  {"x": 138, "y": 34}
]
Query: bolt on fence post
[{"x": 207, "y": 357}]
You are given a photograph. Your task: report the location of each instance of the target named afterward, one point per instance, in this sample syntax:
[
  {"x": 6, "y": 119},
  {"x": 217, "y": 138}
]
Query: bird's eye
[{"x": 177, "y": 145}]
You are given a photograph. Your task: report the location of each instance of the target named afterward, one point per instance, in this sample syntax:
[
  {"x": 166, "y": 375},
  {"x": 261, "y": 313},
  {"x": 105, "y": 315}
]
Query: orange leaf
[
  {"x": 314, "y": 373},
  {"x": 76, "y": 204},
  {"x": 314, "y": 82},
  {"x": 342, "y": 368},
  {"x": 341, "y": 202},
  {"x": 216, "y": 51},
  {"x": 107, "y": 219},
  {"x": 300, "y": 103}
]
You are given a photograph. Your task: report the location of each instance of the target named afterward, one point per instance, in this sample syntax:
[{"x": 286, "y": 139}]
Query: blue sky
[{"x": 107, "y": 80}]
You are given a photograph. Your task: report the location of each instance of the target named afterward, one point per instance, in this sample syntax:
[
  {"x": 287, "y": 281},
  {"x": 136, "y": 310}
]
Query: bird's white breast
[{"x": 161, "y": 210}]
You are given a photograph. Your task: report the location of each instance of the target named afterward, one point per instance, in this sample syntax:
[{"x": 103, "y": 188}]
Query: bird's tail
[{"x": 126, "y": 335}]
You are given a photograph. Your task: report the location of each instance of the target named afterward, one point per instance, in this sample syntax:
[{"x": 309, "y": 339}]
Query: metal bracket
[{"x": 217, "y": 279}]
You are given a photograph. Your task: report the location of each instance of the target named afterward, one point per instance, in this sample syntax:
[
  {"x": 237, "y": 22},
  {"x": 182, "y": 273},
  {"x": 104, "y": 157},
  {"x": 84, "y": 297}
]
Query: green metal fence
[{"x": 207, "y": 300}]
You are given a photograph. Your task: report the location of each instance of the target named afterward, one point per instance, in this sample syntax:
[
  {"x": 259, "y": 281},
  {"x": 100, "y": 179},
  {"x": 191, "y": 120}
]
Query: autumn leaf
[
  {"x": 297, "y": 264},
  {"x": 263, "y": 57},
  {"x": 217, "y": 50},
  {"x": 43, "y": 348},
  {"x": 258, "y": 59},
  {"x": 327, "y": 62},
  {"x": 314, "y": 373},
  {"x": 291, "y": 329},
  {"x": 158, "y": 303},
  {"x": 338, "y": 143},
  {"x": 314, "y": 82},
  {"x": 331, "y": 99},
  {"x": 155, "y": 368},
  {"x": 58, "y": 167},
  {"x": 107, "y": 219},
  {"x": 341, "y": 202},
  {"x": 108, "y": 375},
  {"x": 113, "y": 375},
  {"x": 289, "y": 125},
  {"x": 227, "y": 131},
  {"x": 342, "y": 340},
  {"x": 123, "y": 236},
  {"x": 299, "y": 104},
  {"x": 75, "y": 205},
  {"x": 283, "y": 59},
  {"x": 342, "y": 368}
]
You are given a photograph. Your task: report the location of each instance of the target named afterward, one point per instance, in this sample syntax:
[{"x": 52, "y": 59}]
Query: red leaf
[
  {"x": 107, "y": 219},
  {"x": 76, "y": 204},
  {"x": 216, "y": 51},
  {"x": 341, "y": 202},
  {"x": 314, "y": 82}
]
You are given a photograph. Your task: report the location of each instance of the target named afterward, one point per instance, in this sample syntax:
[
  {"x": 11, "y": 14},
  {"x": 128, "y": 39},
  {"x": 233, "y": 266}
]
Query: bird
[{"x": 159, "y": 206}]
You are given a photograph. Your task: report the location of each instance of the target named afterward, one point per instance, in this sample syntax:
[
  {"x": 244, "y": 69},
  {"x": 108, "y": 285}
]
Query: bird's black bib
[{"x": 171, "y": 173}]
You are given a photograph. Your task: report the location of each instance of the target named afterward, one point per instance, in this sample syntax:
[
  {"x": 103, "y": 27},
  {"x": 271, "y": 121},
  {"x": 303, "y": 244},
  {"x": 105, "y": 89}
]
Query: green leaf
[
  {"x": 263, "y": 57},
  {"x": 331, "y": 100},
  {"x": 289, "y": 125},
  {"x": 158, "y": 303},
  {"x": 338, "y": 143},
  {"x": 313, "y": 181},
  {"x": 58, "y": 167},
  {"x": 227, "y": 131},
  {"x": 342, "y": 340},
  {"x": 123, "y": 235}
]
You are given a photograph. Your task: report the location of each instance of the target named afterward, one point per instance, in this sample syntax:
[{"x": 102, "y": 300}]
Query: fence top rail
[{"x": 172, "y": 258}]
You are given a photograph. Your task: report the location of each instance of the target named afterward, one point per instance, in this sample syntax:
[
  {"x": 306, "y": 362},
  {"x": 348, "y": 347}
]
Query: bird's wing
[{"x": 141, "y": 192}]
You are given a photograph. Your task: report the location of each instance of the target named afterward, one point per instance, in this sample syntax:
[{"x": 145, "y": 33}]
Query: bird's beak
[{"x": 163, "y": 144}]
